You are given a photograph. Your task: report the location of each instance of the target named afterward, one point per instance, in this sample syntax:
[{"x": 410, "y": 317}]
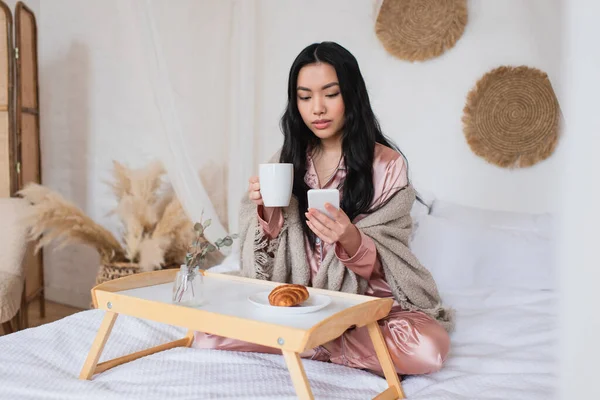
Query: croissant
[{"x": 288, "y": 295}]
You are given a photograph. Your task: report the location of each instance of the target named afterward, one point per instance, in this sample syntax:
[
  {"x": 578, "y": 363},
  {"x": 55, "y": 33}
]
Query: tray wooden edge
[
  {"x": 144, "y": 279},
  {"x": 277, "y": 336},
  {"x": 358, "y": 316},
  {"x": 138, "y": 280},
  {"x": 197, "y": 319}
]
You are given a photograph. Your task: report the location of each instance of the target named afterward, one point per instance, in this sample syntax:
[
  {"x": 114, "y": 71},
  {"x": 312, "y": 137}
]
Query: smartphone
[{"x": 318, "y": 197}]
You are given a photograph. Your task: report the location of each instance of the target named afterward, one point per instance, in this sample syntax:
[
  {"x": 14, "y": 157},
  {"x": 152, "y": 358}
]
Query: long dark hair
[{"x": 361, "y": 131}]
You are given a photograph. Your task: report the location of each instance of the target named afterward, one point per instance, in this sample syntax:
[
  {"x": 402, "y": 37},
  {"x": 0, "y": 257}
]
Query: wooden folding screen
[
  {"x": 20, "y": 159},
  {"x": 8, "y": 172}
]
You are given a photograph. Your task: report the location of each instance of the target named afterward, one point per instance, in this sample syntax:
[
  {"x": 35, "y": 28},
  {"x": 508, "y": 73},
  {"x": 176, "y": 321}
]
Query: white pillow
[
  {"x": 505, "y": 220},
  {"x": 421, "y": 208},
  {"x": 418, "y": 209},
  {"x": 230, "y": 263},
  {"x": 463, "y": 256}
]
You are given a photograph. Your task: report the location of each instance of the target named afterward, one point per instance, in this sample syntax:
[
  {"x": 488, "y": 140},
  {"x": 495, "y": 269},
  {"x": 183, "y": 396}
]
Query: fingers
[
  {"x": 318, "y": 217},
  {"x": 254, "y": 196},
  {"x": 337, "y": 214},
  {"x": 319, "y": 225},
  {"x": 254, "y": 190},
  {"x": 258, "y": 201},
  {"x": 253, "y": 183},
  {"x": 322, "y": 235}
]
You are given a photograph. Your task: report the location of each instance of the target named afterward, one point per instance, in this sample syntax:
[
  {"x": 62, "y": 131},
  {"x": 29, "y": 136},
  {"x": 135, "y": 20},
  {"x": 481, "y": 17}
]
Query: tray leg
[
  {"x": 298, "y": 375},
  {"x": 101, "y": 337},
  {"x": 385, "y": 359},
  {"x": 96, "y": 368},
  {"x": 190, "y": 338}
]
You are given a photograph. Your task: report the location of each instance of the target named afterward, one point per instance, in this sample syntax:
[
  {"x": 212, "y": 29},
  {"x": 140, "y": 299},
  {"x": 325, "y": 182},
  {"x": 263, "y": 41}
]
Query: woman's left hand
[{"x": 339, "y": 229}]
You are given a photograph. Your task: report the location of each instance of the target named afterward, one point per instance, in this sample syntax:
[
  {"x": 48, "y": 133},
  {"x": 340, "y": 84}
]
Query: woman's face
[{"x": 320, "y": 100}]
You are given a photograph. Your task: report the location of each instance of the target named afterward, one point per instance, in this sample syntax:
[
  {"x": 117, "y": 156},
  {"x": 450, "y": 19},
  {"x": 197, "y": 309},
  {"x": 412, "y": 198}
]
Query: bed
[{"x": 494, "y": 269}]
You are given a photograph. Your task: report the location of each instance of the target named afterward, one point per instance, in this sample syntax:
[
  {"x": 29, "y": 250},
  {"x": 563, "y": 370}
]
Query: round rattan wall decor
[
  {"x": 511, "y": 117},
  {"x": 417, "y": 30}
]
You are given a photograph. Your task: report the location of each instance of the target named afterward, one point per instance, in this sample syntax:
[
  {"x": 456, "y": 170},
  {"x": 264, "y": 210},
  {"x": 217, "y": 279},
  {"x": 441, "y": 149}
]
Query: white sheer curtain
[{"x": 199, "y": 61}]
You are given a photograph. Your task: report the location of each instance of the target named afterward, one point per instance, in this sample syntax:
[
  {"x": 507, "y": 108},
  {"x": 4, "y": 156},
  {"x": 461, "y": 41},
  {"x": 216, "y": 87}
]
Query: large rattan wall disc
[
  {"x": 511, "y": 117},
  {"x": 417, "y": 30}
]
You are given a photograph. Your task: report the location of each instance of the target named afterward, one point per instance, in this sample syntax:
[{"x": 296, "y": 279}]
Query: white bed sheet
[{"x": 502, "y": 348}]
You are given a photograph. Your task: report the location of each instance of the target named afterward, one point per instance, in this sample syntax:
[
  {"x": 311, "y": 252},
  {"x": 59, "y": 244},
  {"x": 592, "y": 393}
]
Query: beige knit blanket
[{"x": 283, "y": 259}]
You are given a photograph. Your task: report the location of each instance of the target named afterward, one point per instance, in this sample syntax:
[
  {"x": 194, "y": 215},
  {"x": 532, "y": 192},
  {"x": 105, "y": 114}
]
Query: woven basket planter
[{"x": 108, "y": 272}]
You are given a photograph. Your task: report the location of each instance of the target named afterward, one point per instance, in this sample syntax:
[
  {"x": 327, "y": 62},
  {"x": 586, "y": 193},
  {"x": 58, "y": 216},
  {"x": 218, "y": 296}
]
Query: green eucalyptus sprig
[{"x": 200, "y": 249}]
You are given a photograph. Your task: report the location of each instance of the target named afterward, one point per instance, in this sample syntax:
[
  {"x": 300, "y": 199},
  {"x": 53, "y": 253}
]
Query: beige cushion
[{"x": 12, "y": 251}]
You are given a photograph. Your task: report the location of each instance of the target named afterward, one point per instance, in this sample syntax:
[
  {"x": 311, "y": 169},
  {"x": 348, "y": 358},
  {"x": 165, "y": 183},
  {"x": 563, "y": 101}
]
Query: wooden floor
[{"x": 54, "y": 311}]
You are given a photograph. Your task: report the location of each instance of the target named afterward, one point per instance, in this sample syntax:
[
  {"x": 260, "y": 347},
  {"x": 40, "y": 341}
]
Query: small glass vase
[{"x": 188, "y": 288}]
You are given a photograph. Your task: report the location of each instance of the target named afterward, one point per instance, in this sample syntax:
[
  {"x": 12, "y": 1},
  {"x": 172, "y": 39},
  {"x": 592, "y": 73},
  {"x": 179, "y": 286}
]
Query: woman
[{"x": 334, "y": 141}]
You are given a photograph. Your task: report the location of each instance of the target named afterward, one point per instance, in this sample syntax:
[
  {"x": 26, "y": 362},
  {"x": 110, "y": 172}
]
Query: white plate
[{"x": 314, "y": 303}]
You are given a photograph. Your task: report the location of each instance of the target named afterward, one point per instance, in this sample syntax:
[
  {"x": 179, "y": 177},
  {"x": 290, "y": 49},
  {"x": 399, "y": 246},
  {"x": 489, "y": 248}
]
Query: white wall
[
  {"x": 420, "y": 104},
  {"x": 93, "y": 110},
  {"x": 96, "y": 105},
  {"x": 34, "y": 5},
  {"x": 580, "y": 212}
]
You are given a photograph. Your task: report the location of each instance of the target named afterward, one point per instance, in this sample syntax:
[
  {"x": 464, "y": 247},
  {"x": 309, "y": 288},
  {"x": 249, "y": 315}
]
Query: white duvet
[{"x": 502, "y": 348}]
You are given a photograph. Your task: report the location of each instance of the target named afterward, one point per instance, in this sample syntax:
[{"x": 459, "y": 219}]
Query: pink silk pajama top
[{"x": 389, "y": 175}]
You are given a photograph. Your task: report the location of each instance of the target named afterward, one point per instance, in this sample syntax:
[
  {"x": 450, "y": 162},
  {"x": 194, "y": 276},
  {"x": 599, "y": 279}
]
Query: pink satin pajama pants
[{"x": 417, "y": 344}]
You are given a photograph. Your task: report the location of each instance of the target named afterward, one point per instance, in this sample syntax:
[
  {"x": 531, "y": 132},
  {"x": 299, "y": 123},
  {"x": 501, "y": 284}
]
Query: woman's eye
[
  {"x": 304, "y": 98},
  {"x": 332, "y": 95}
]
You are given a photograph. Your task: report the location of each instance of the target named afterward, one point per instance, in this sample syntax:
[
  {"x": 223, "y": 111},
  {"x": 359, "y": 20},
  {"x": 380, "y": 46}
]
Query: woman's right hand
[{"x": 254, "y": 191}]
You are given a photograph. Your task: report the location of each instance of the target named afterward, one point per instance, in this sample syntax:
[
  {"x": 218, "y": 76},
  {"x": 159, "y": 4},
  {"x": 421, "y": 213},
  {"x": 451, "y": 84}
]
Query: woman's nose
[{"x": 318, "y": 106}]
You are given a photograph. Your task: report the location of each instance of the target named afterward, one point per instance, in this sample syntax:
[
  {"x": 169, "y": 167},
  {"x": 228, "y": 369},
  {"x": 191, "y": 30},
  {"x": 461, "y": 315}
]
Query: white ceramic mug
[{"x": 276, "y": 183}]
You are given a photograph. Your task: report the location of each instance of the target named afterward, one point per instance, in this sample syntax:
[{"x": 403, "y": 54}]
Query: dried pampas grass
[
  {"x": 142, "y": 182},
  {"x": 133, "y": 226},
  {"x": 155, "y": 231},
  {"x": 137, "y": 195},
  {"x": 170, "y": 238},
  {"x": 56, "y": 219},
  {"x": 152, "y": 253},
  {"x": 138, "y": 188}
]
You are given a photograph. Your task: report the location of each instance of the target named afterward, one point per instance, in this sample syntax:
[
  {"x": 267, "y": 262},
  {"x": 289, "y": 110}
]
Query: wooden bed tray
[{"x": 228, "y": 313}]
